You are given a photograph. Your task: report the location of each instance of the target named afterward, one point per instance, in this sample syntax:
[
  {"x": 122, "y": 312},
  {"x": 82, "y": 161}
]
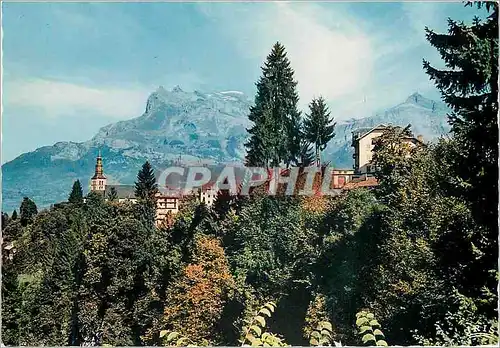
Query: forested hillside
[{"x": 412, "y": 261}]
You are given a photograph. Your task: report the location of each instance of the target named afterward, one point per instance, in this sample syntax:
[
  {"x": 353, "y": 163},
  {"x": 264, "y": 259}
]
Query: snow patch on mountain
[{"x": 193, "y": 127}]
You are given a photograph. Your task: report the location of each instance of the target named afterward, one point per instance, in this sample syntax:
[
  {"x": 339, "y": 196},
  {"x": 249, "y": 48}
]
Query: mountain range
[{"x": 192, "y": 127}]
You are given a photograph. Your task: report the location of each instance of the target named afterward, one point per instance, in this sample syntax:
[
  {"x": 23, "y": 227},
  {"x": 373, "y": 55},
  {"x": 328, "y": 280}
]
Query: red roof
[{"x": 356, "y": 183}]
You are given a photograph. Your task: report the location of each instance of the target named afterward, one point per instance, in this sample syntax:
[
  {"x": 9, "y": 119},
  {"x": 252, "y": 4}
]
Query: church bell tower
[{"x": 98, "y": 181}]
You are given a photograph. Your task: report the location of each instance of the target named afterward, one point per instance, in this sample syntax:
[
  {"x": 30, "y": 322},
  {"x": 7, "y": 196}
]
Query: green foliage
[
  {"x": 275, "y": 134},
  {"x": 14, "y": 215},
  {"x": 466, "y": 326},
  {"x": 350, "y": 234},
  {"x": 175, "y": 339},
  {"x": 88, "y": 274},
  {"x": 268, "y": 247},
  {"x": 322, "y": 335},
  {"x": 222, "y": 204},
  {"x": 369, "y": 329},
  {"x": 11, "y": 229},
  {"x": 417, "y": 250},
  {"x": 306, "y": 156},
  {"x": 146, "y": 189},
  {"x": 121, "y": 254},
  {"x": 76, "y": 195},
  {"x": 424, "y": 227},
  {"x": 318, "y": 329},
  {"x": 393, "y": 157},
  {"x": 112, "y": 195},
  {"x": 5, "y": 219},
  {"x": 469, "y": 85},
  {"x": 146, "y": 186},
  {"x": 43, "y": 280},
  {"x": 254, "y": 333},
  {"x": 318, "y": 126},
  {"x": 27, "y": 210}
]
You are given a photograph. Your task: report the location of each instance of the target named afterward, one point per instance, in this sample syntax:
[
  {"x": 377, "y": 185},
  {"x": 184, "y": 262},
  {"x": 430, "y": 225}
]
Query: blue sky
[{"x": 71, "y": 68}]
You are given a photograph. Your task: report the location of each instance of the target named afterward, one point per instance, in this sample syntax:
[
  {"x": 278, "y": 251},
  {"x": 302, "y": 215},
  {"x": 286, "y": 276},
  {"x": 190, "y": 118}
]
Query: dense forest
[{"x": 411, "y": 261}]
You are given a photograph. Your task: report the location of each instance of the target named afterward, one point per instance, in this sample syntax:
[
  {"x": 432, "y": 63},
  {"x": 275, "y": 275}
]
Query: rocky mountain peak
[
  {"x": 415, "y": 98},
  {"x": 418, "y": 99},
  {"x": 177, "y": 89},
  {"x": 208, "y": 126}
]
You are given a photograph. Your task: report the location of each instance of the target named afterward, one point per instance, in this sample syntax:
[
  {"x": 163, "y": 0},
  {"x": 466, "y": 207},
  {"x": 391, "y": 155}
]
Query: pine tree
[
  {"x": 27, "y": 210},
  {"x": 306, "y": 157},
  {"x": 112, "y": 195},
  {"x": 5, "y": 219},
  {"x": 294, "y": 137},
  {"x": 469, "y": 85},
  {"x": 145, "y": 191},
  {"x": 222, "y": 203},
  {"x": 275, "y": 135},
  {"x": 76, "y": 195},
  {"x": 146, "y": 186},
  {"x": 14, "y": 215},
  {"x": 318, "y": 126}
]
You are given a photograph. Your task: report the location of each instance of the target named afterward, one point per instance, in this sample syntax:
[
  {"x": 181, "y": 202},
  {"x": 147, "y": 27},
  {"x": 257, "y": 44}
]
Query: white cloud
[
  {"x": 57, "y": 98},
  {"x": 358, "y": 65},
  {"x": 422, "y": 14},
  {"x": 330, "y": 60}
]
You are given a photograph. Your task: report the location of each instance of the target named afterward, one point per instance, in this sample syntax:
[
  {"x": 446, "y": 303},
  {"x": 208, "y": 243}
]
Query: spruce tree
[
  {"x": 5, "y": 220},
  {"x": 469, "y": 85},
  {"x": 318, "y": 126},
  {"x": 222, "y": 203},
  {"x": 145, "y": 191},
  {"x": 76, "y": 195},
  {"x": 275, "y": 134},
  {"x": 306, "y": 157},
  {"x": 14, "y": 215},
  {"x": 27, "y": 210},
  {"x": 146, "y": 186},
  {"x": 294, "y": 138},
  {"x": 112, "y": 195}
]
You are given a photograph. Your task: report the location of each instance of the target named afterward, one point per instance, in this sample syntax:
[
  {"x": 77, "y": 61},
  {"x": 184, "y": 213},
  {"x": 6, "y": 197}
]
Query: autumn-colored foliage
[
  {"x": 196, "y": 300},
  {"x": 316, "y": 202}
]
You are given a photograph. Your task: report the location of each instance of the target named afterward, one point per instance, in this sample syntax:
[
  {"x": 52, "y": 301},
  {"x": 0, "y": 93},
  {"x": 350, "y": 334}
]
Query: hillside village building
[
  {"x": 165, "y": 203},
  {"x": 208, "y": 194},
  {"x": 363, "y": 141},
  {"x": 98, "y": 181}
]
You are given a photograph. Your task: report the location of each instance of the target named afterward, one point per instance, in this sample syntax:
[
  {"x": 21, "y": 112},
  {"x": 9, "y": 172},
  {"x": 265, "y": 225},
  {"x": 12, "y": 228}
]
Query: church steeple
[{"x": 98, "y": 181}]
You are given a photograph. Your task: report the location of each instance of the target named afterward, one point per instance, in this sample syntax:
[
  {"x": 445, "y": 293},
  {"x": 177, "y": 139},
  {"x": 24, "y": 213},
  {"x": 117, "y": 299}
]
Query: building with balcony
[{"x": 363, "y": 142}]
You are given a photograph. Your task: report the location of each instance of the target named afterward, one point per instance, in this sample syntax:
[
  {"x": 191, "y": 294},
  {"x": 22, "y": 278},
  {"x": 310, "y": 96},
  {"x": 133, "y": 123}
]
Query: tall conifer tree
[
  {"x": 319, "y": 126},
  {"x": 306, "y": 157},
  {"x": 112, "y": 195},
  {"x": 145, "y": 191},
  {"x": 146, "y": 186},
  {"x": 28, "y": 210},
  {"x": 469, "y": 85},
  {"x": 76, "y": 195},
  {"x": 275, "y": 135}
]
